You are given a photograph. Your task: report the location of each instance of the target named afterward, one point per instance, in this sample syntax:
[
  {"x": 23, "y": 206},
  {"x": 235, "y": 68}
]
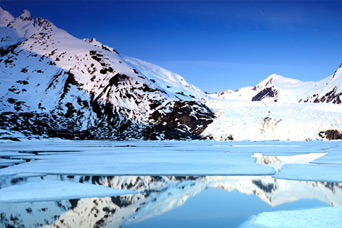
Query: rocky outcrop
[
  {"x": 188, "y": 119},
  {"x": 331, "y": 134},
  {"x": 266, "y": 93}
]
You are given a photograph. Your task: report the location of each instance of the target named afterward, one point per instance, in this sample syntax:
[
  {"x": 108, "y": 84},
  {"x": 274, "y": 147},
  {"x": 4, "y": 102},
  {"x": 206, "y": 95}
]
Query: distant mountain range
[{"x": 55, "y": 85}]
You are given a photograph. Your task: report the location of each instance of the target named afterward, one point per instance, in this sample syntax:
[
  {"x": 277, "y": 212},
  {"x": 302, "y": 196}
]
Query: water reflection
[{"x": 156, "y": 196}]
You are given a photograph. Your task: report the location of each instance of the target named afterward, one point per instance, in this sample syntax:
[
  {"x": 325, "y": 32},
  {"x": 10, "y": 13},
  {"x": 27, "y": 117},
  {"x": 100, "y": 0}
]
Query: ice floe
[
  {"x": 56, "y": 190},
  {"x": 309, "y": 218},
  {"x": 311, "y": 172}
]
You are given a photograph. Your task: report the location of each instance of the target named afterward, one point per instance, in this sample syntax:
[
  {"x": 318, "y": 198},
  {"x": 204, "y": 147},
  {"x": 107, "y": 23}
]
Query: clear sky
[{"x": 215, "y": 45}]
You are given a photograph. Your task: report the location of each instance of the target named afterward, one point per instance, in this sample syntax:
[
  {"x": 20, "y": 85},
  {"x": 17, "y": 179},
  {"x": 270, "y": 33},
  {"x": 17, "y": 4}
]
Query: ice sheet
[
  {"x": 144, "y": 163},
  {"x": 331, "y": 158},
  {"x": 55, "y": 190},
  {"x": 10, "y": 161},
  {"x": 311, "y": 172},
  {"x": 327, "y": 217},
  {"x": 158, "y": 158}
]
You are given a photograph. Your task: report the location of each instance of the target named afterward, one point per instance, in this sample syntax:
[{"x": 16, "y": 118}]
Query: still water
[{"x": 169, "y": 201}]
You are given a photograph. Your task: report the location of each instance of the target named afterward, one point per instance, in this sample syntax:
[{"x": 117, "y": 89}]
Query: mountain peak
[
  {"x": 275, "y": 79},
  {"x": 25, "y": 15}
]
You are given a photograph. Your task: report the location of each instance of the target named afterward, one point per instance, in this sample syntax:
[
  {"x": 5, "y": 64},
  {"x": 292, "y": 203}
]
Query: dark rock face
[
  {"x": 187, "y": 120},
  {"x": 194, "y": 115},
  {"x": 331, "y": 135},
  {"x": 268, "y": 92},
  {"x": 330, "y": 97}
]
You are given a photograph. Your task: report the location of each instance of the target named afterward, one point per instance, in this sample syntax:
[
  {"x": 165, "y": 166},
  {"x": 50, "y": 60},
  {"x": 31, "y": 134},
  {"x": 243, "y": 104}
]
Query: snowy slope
[
  {"x": 279, "y": 108},
  {"x": 328, "y": 90},
  {"x": 167, "y": 80},
  {"x": 58, "y": 80}
]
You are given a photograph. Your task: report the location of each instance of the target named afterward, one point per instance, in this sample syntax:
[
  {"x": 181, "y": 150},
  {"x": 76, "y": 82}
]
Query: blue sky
[{"x": 215, "y": 45}]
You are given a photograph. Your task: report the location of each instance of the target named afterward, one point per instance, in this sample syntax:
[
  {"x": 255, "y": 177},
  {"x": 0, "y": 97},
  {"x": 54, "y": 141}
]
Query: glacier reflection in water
[{"x": 169, "y": 201}]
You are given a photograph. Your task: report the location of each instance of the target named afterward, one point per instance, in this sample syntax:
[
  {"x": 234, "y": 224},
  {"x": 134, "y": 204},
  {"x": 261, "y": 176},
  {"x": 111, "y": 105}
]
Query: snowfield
[{"x": 240, "y": 120}]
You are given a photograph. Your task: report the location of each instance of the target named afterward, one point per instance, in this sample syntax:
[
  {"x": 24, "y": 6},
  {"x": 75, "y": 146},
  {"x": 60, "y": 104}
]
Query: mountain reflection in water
[{"x": 156, "y": 196}]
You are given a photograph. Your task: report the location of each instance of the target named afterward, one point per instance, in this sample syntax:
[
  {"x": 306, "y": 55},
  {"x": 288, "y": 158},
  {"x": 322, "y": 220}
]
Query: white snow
[
  {"x": 273, "y": 121},
  {"x": 310, "y": 218},
  {"x": 281, "y": 116},
  {"x": 167, "y": 80},
  {"x": 55, "y": 190}
]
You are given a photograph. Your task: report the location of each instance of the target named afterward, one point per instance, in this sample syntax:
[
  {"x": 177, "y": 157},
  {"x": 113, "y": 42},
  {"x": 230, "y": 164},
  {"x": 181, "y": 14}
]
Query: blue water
[{"x": 218, "y": 208}]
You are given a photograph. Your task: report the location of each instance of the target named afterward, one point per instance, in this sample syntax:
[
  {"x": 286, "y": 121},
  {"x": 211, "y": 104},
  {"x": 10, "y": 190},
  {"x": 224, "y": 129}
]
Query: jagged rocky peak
[
  {"x": 25, "y": 15},
  {"x": 23, "y": 25}
]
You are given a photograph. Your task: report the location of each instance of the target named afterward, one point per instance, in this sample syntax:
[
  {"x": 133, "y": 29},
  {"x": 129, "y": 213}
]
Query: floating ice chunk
[
  {"x": 56, "y": 190},
  {"x": 327, "y": 217},
  {"x": 311, "y": 172},
  {"x": 11, "y": 161},
  {"x": 26, "y": 175},
  {"x": 331, "y": 158}
]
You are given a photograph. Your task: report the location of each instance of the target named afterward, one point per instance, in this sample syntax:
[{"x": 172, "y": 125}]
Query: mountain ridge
[{"x": 56, "y": 85}]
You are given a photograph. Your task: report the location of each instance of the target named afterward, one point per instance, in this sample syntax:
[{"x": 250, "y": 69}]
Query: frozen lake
[{"x": 170, "y": 184}]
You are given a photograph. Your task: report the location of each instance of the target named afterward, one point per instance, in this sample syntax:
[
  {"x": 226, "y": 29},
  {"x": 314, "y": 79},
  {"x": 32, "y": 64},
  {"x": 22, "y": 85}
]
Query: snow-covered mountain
[
  {"x": 53, "y": 84},
  {"x": 276, "y": 88},
  {"x": 279, "y": 108}
]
